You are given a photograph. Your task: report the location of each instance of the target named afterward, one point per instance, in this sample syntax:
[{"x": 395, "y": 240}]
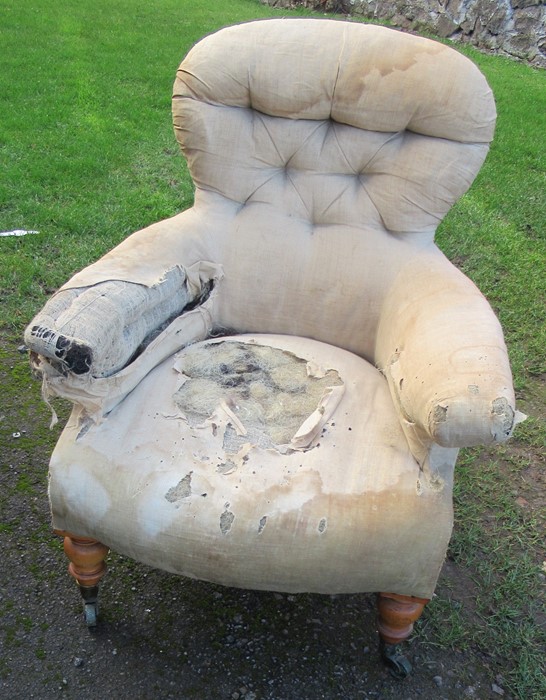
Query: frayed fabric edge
[{"x": 98, "y": 396}]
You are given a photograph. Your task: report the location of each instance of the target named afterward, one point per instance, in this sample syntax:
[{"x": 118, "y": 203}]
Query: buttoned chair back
[{"x": 337, "y": 149}]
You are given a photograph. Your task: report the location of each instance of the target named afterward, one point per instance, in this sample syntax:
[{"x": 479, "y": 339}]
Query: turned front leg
[
  {"x": 87, "y": 566},
  {"x": 396, "y": 615}
]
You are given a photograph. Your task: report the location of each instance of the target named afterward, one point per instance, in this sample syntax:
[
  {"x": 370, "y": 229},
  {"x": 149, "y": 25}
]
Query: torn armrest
[
  {"x": 458, "y": 409},
  {"x": 96, "y": 330},
  {"x": 442, "y": 351},
  {"x": 466, "y": 420}
]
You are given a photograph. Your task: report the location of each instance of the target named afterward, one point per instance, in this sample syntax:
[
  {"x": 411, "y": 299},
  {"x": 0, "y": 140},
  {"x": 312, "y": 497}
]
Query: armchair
[{"x": 270, "y": 389}]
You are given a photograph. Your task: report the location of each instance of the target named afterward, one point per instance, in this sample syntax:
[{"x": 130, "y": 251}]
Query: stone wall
[{"x": 516, "y": 28}]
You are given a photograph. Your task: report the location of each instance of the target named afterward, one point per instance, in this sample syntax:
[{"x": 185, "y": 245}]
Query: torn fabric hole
[
  {"x": 101, "y": 328},
  {"x": 256, "y": 394},
  {"x": 98, "y": 396}
]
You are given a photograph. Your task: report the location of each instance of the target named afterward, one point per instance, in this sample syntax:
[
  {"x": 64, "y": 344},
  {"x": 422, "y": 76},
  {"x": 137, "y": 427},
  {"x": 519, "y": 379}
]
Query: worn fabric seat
[
  {"x": 324, "y": 156},
  {"x": 208, "y": 482}
]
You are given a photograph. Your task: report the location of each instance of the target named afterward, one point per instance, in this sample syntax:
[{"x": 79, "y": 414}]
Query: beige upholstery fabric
[
  {"x": 350, "y": 512},
  {"x": 324, "y": 156}
]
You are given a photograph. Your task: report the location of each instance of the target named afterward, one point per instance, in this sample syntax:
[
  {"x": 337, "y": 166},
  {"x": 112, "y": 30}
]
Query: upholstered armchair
[{"x": 270, "y": 389}]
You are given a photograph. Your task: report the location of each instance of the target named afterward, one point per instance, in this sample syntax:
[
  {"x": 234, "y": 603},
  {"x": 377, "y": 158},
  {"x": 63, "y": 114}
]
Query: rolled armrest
[
  {"x": 442, "y": 350},
  {"x": 98, "y": 329},
  {"x": 99, "y": 319}
]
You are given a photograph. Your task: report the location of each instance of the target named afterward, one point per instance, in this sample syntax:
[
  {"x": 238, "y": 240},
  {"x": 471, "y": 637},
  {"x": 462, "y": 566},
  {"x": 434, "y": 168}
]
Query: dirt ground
[{"x": 161, "y": 636}]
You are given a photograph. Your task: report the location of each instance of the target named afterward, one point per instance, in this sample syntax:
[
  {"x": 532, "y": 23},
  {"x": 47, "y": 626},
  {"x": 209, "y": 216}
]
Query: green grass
[
  {"x": 87, "y": 155},
  {"x": 498, "y": 230},
  {"x": 500, "y": 543},
  {"x": 87, "y": 152}
]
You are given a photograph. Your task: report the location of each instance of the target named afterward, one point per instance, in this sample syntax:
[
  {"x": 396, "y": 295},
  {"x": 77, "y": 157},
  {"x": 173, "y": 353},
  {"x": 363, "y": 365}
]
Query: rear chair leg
[
  {"x": 87, "y": 566},
  {"x": 396, "y": 615}
]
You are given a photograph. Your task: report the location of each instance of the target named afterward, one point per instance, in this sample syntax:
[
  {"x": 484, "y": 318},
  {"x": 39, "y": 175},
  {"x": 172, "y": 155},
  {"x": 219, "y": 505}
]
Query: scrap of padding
[{"x": 310, "y": 429}]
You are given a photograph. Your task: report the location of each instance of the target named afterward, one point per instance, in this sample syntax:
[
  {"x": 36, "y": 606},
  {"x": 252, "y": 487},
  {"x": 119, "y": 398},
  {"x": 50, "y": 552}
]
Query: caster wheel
[
  {"x": 399, "y": 667},
  {"x": 90, "y": 612}
]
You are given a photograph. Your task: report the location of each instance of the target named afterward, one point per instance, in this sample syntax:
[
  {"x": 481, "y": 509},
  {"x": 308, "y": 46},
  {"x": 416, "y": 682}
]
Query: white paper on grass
[{"x": 17, "y": 232}]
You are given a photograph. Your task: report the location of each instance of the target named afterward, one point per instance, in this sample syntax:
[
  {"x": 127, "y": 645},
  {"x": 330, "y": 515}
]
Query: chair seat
[{"x": 257, "y": 461}]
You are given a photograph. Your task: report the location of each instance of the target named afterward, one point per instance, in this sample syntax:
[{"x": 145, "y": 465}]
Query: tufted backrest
[{"x": 338, "y": 148}]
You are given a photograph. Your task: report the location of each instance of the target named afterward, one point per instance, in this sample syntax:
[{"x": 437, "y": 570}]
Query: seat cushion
[{"x": 257, "y": 461}]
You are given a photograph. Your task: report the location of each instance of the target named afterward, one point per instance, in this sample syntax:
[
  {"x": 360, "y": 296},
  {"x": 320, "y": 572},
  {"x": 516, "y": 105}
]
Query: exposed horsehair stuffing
[{"x": 269, "y": 391}]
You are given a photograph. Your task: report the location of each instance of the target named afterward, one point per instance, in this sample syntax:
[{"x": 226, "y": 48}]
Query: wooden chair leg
[
  {"x": 396, "y": 615},
  {"x": 87, "y": 566}
]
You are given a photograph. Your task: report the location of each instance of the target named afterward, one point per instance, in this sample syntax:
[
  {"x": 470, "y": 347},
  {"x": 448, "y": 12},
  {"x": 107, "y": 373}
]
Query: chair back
[{"x": 334, "y": 150}]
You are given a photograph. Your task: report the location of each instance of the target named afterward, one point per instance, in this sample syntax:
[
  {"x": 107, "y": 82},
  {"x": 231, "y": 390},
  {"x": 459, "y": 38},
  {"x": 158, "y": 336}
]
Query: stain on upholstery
[
  {"x": 180, "y": 491},
  {"x": 226, "y": 520},
  {"x": 505, "y": 414}
]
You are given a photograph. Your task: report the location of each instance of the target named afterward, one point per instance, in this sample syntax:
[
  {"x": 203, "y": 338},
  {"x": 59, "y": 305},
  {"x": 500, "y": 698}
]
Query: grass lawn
[{"x": 87, "y": 155}]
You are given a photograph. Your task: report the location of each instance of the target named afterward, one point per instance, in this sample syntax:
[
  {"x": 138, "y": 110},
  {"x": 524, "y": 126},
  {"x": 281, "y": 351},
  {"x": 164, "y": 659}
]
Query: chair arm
[
  {"x": 107, "y": 312},
  {"x": 442, "y": 350}
]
